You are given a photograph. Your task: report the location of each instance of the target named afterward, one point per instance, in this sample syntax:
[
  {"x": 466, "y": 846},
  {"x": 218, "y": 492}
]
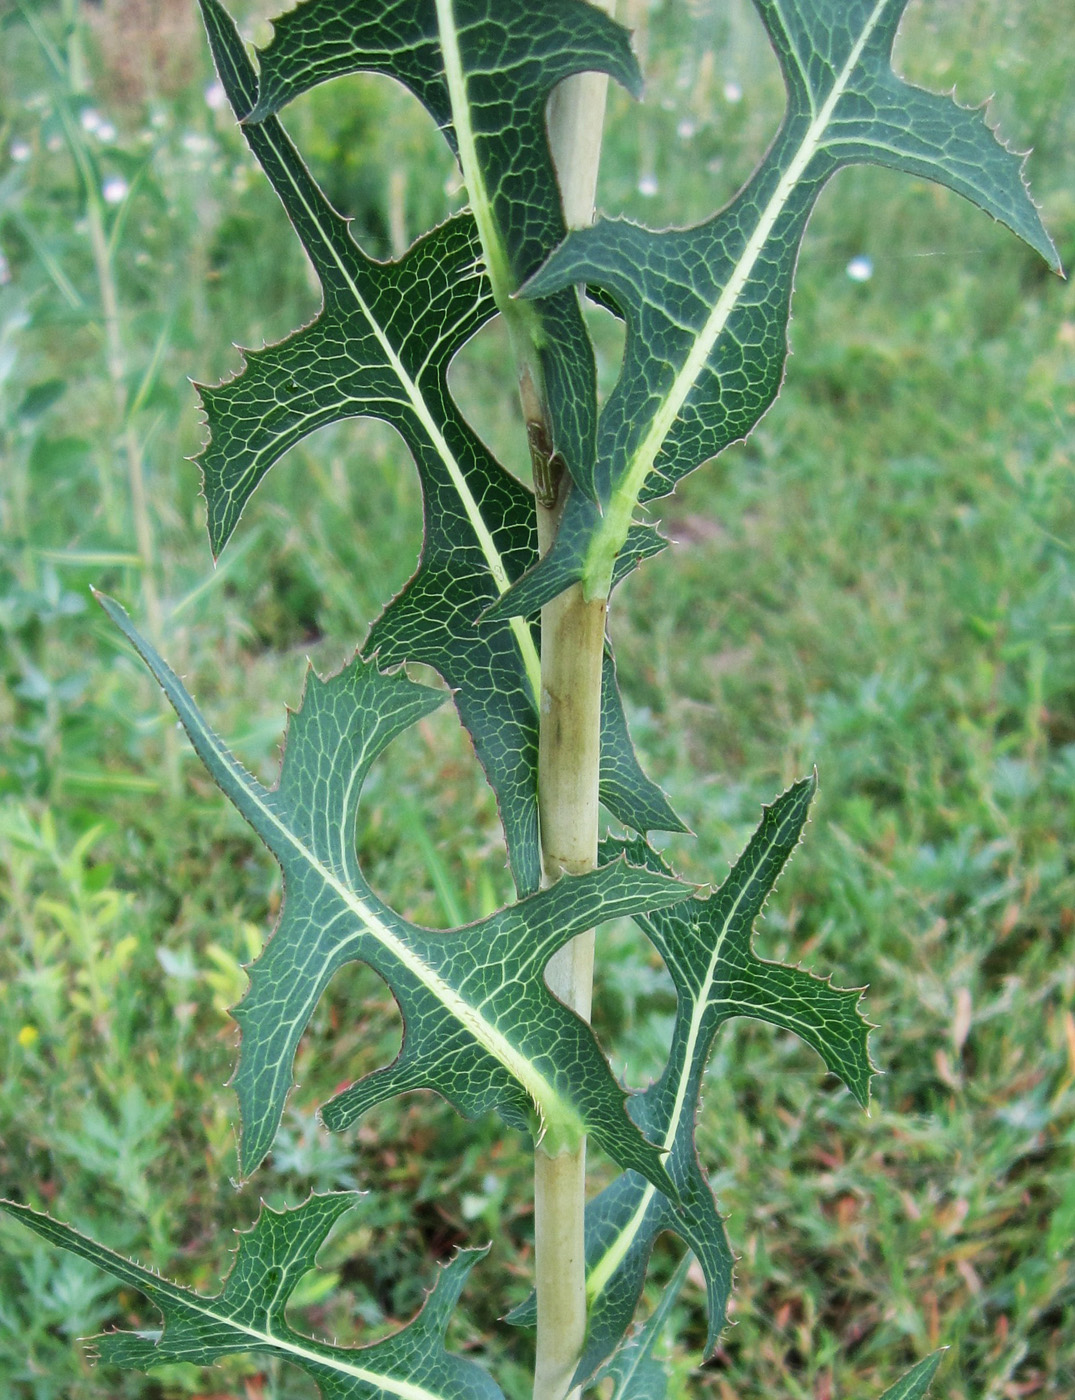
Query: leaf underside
[
  {"x": 706, "y": 945},
  {"x": 247, "y": 1315},
  {"x": 381, "y": 347}
]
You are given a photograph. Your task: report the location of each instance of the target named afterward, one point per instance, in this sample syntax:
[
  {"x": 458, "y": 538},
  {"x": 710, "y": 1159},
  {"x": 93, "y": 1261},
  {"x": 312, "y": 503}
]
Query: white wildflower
[{"x": 114, "y": 190}]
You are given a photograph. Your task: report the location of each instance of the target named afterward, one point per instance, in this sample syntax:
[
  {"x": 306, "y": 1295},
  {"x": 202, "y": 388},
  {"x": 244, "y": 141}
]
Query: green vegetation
[{"x": 880, "y": 581}]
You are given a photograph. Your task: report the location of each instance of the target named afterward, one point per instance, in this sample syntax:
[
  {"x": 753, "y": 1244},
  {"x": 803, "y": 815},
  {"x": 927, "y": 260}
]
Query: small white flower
[
  {"x": 20, "y": 151},
  {"x": 860, "y": 269},
  {"x": 195, "y": 144},
  {"x": 733, "y": 92},
  {"x": 685, "y": 130},
  {"x": 647, "y": 185},
  {"x": 114, "y": 190},
  {"x": 215, "y": 96},
  {"x": 91, "y": 120},
  {"x": 106, "y": 132}
]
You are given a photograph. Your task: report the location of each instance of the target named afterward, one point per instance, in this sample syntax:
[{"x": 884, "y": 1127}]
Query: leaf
[
  {"x": 707, "y": 308},
  {"x": 634, "y": 1372},
  {"x": 706, "y": 945},
  {"x": 625, "y": 790},
  {"x": 480, "y": 1025},
  {"x": 916, "y": 1382},
  {"x": 381, "y": 347},
  {"x": 485, "y": 74},
  {"x": 248, "y": 1314}
]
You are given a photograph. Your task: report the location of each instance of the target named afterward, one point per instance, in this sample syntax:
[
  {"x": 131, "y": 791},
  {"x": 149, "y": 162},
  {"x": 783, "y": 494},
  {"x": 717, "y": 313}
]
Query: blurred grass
[{"x": 880, "y": 582}]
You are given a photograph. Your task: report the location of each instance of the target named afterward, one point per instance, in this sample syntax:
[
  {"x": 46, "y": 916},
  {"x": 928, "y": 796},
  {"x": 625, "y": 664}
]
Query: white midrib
[
  {"x": 598, "y": 1277},
  {"x": 612, "y": 532},
  {"x": 480, "y": 203},
  {"x": 157, "y": 1289},
  {"x": 404, "y": 1389},
  {"x": 523, "y": 1070},
  {"x": 520, "y": 316},
  {"x": 487, "y": 544}
]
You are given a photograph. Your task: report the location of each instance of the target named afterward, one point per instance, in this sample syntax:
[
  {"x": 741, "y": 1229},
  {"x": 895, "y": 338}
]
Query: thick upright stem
[
  {"x": 572, "y": 647},
  {"x": 572, "y": 641}
]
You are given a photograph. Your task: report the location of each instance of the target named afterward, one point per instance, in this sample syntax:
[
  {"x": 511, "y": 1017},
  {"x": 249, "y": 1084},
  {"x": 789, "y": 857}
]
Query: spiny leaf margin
[
  {"x": 480, "y": 1025},
  {"x": 363, "y": 356},
  {"x": 248, "y": 1314},
  {"x": 706, "y": 945},
  {"x": 484, "y": 72},
  {"x": 707, "y": 308},
  {"x": 634, "y": 1371}
]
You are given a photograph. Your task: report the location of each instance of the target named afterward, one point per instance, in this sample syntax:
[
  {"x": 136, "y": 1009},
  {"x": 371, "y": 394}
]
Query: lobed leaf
[
  {"x": 480, "y": 1025},
  {"x": 706, "y": 945},
  {"x": 248, "y": 1314},
  {"x": 484, "y": 72},
  {"x": 624, "y": 789},
  {"x": 381, "y": 347},
  {"x": 634, "y": 1372},
  {"x": 707, "y": 308}
]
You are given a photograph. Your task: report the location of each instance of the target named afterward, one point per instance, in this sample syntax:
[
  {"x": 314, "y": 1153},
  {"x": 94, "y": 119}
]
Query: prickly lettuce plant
[{"x": 508, "y": 605}]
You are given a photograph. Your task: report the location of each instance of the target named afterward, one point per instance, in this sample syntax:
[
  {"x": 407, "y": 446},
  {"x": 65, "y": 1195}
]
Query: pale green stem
[{"x": 572, "y": 649}]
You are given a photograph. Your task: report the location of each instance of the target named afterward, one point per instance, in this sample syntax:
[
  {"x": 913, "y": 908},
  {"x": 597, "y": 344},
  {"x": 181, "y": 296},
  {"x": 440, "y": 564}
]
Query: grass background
[{"x": 880, "y": 582}]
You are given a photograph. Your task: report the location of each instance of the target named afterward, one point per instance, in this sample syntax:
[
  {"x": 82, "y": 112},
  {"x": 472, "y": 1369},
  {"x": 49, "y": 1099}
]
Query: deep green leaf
[
  {"x": 381, "y": 347},
  {"x": 484, "y": 71},
  {"x": 248, "y": 1314},
  {"x": 40, "y": 397},
  {"x": 915, "y": 1384},
  {"x": 707, "y": 308},
  {"x": 625, "y": 790},
  {"x": 634, "y": 1372},
  {"x": 706, "y": 945},
  {"x": 480, "y": 1025}
]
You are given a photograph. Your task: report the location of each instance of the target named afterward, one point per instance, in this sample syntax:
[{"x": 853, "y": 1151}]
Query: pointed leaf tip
[
  {"x": 248, "y": 1314},
  {"x": 236, "y": 72},
  {"x": 634, "y": 1371},
  {"x": 707, "y": 946},
  {"x": 381, "y": 347},
  {"x": 707, "y": 308},
  {"x": 463, "y": 988},
  {"x": 915, "y": 1383}
]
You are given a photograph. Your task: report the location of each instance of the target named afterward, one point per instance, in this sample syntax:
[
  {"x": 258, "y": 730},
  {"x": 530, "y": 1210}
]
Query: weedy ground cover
[{"x": 880, "y": 581}]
